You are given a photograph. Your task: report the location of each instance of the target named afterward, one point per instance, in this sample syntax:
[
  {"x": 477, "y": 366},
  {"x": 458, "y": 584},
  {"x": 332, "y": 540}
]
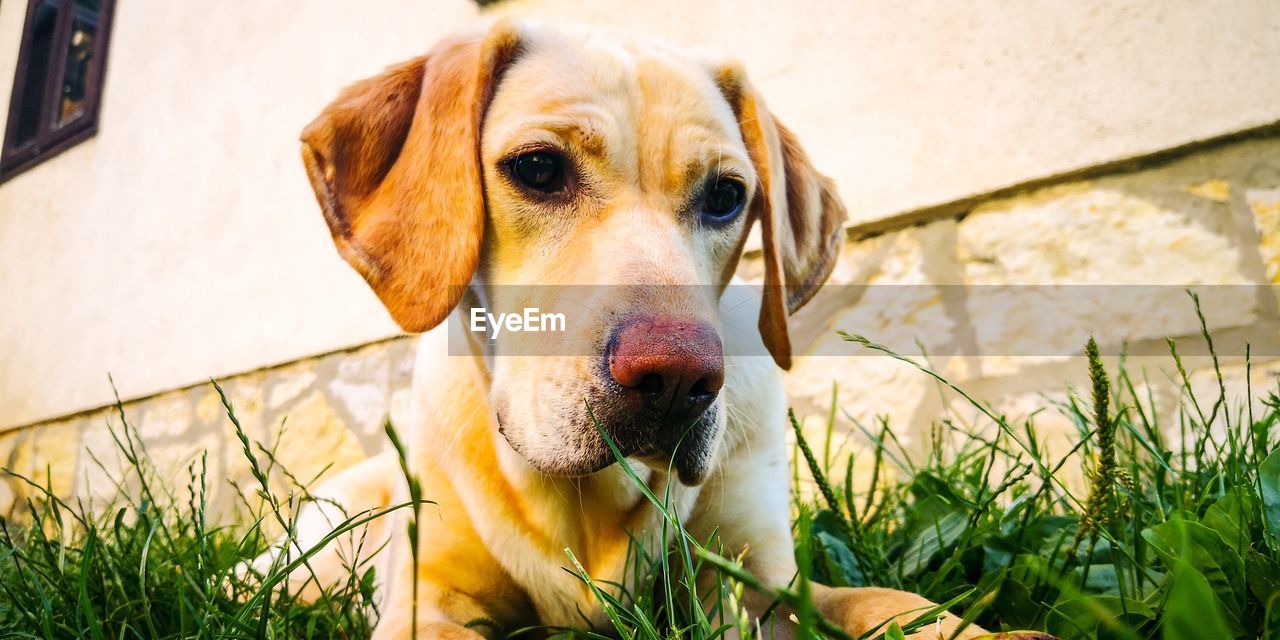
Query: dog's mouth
[
  {"x": 683, "y": 449},
  {"x": 588, "y": 449},
  {"x": 690, "y": 467}
]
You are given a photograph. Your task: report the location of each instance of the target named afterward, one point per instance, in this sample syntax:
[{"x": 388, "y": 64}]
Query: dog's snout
[{"x": 668, "y": 365}]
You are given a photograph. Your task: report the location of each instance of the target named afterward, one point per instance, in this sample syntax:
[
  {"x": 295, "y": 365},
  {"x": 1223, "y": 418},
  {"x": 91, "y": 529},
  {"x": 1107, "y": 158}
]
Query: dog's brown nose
[{"x": 670, "y": 366}]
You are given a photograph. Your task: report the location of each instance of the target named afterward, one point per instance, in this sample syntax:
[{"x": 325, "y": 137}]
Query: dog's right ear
[
  {"x": 801, "y": 215},
  {"x": 395, "y": 164}
]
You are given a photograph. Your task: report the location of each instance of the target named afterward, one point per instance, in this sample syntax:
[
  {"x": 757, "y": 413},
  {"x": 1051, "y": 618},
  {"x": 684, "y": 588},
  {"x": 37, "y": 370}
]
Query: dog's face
[
  {"x": 617, "y": 177},
  {"x": 612, "y": 181}
]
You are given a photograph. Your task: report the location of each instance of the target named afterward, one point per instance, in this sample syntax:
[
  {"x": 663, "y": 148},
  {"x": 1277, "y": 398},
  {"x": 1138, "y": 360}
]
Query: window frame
[{"x": 51, "y": 139}]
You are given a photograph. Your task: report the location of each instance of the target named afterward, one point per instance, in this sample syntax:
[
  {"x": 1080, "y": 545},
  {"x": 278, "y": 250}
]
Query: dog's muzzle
[{"x": 668, "y": 372}]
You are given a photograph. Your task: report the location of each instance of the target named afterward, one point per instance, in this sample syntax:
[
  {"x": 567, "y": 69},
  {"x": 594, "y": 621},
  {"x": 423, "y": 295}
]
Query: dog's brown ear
[
  {"x": 395, "y": 164},
  {"x": 801, "y": 216}
]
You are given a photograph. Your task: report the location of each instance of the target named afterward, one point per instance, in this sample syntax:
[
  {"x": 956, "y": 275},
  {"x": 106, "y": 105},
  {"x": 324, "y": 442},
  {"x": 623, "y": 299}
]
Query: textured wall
[
  {"x": 1207, "y": 218},
  {"x": 317, "y": 415},
  {"x": 182, "y": 241},
  {"x": 161, "y": 250}
]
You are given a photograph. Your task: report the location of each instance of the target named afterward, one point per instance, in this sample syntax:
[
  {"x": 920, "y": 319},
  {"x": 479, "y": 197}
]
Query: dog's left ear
[
  {"x": 395, "y": 164},
  {"x": 801, "y": 216}
]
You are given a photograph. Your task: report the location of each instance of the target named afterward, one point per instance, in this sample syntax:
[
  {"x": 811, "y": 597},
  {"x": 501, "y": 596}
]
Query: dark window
[{"x": 58, "y": 85}]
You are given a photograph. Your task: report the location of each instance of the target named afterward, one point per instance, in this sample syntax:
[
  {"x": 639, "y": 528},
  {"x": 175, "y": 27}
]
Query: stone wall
[
  {"x": 1207, "y": 218},
  {"x": 1210, "y": 217},
  {"x": 316, "y": 415}
]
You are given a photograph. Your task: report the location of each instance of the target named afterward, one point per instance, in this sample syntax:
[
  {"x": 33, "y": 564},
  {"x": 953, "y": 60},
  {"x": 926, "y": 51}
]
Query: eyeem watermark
[
  {"x": 1037, "y": 321},
  {"x": 531, "y": 320}
]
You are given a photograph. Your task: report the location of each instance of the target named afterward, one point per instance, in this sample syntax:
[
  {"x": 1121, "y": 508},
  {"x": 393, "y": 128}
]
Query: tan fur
[{"x": 408, "y": 169}]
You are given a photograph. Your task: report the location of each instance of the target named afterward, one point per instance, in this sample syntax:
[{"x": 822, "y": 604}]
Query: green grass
[
  {"x": 151, "y": 565},
  {"x": 1165, "y": 542},
  {"x": 1162, "y": 541}
]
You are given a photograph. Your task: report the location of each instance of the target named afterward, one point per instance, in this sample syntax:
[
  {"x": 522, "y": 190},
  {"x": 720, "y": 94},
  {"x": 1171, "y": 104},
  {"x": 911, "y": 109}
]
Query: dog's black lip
[{"x": 687, "y": 474}]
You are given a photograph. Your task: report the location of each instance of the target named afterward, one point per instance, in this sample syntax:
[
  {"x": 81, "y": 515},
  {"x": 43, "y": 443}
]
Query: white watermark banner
[{"x": 913, "y": 320}]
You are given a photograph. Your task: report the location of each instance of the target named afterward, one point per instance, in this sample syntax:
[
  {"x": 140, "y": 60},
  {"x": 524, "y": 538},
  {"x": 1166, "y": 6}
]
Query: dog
[{"x": 504, "y": 165}]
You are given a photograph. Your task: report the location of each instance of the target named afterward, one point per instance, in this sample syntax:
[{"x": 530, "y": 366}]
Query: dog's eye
[
  {"x": 540, "y": 170},
  {"x": 723, "y": 200}
]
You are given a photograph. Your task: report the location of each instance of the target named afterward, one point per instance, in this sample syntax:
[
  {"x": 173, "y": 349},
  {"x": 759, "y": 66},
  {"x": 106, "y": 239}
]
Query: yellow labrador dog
[{"x": 548, "y": 158}]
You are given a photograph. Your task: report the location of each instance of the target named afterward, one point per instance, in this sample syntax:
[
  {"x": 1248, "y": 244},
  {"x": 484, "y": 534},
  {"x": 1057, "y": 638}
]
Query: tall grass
[
  {"x": 151, "y": 564},
  {"x": 1170, "y": 540},
  {"x": 1174, "y": 534}
]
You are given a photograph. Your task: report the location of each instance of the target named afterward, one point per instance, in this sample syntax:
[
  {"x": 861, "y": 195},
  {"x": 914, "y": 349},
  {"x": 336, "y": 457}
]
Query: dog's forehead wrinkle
[
  {"x": 577, "y": 122},
  {"x": 674, "y": 124}
]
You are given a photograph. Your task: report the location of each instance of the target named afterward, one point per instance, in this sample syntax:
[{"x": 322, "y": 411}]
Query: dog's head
[{"x": 522, "y": 165}]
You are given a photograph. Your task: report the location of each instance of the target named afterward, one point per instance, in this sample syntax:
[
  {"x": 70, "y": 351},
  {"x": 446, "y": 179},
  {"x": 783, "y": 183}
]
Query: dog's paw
[{"x": 866, "y": 609}]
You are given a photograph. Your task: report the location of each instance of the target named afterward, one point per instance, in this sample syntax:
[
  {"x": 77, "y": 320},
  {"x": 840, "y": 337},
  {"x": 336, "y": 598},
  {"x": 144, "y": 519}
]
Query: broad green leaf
[
  {"x": 1263, "y": 576},
  {"x": 927, "y": 484},
  {"x": 1269, "y": 481},
  {"x": 1098, "y": 552},
  {"x": 925, "y": 512},
  {"x": 1181, "y": 542},
  {"x": 1015, "y": 604},
  {"x": 1031, "y": 568},
  {"x": 1086, "y": 617},
  {"x": 1102, "y": 579},
  {"x": 1230, "y": 517},
  {"x": 1192, "y": 611},
  {"x": 1048, "y": 534},
  {"x": 997, "y": 553},
  {"x": 931, "y": 541},
  {"x": 826, "y": 521},
  {"x": 841, "y": 565}
]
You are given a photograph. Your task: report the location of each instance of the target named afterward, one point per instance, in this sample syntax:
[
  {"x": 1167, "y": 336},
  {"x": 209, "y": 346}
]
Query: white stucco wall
[{"x": 182, "y": 242}]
